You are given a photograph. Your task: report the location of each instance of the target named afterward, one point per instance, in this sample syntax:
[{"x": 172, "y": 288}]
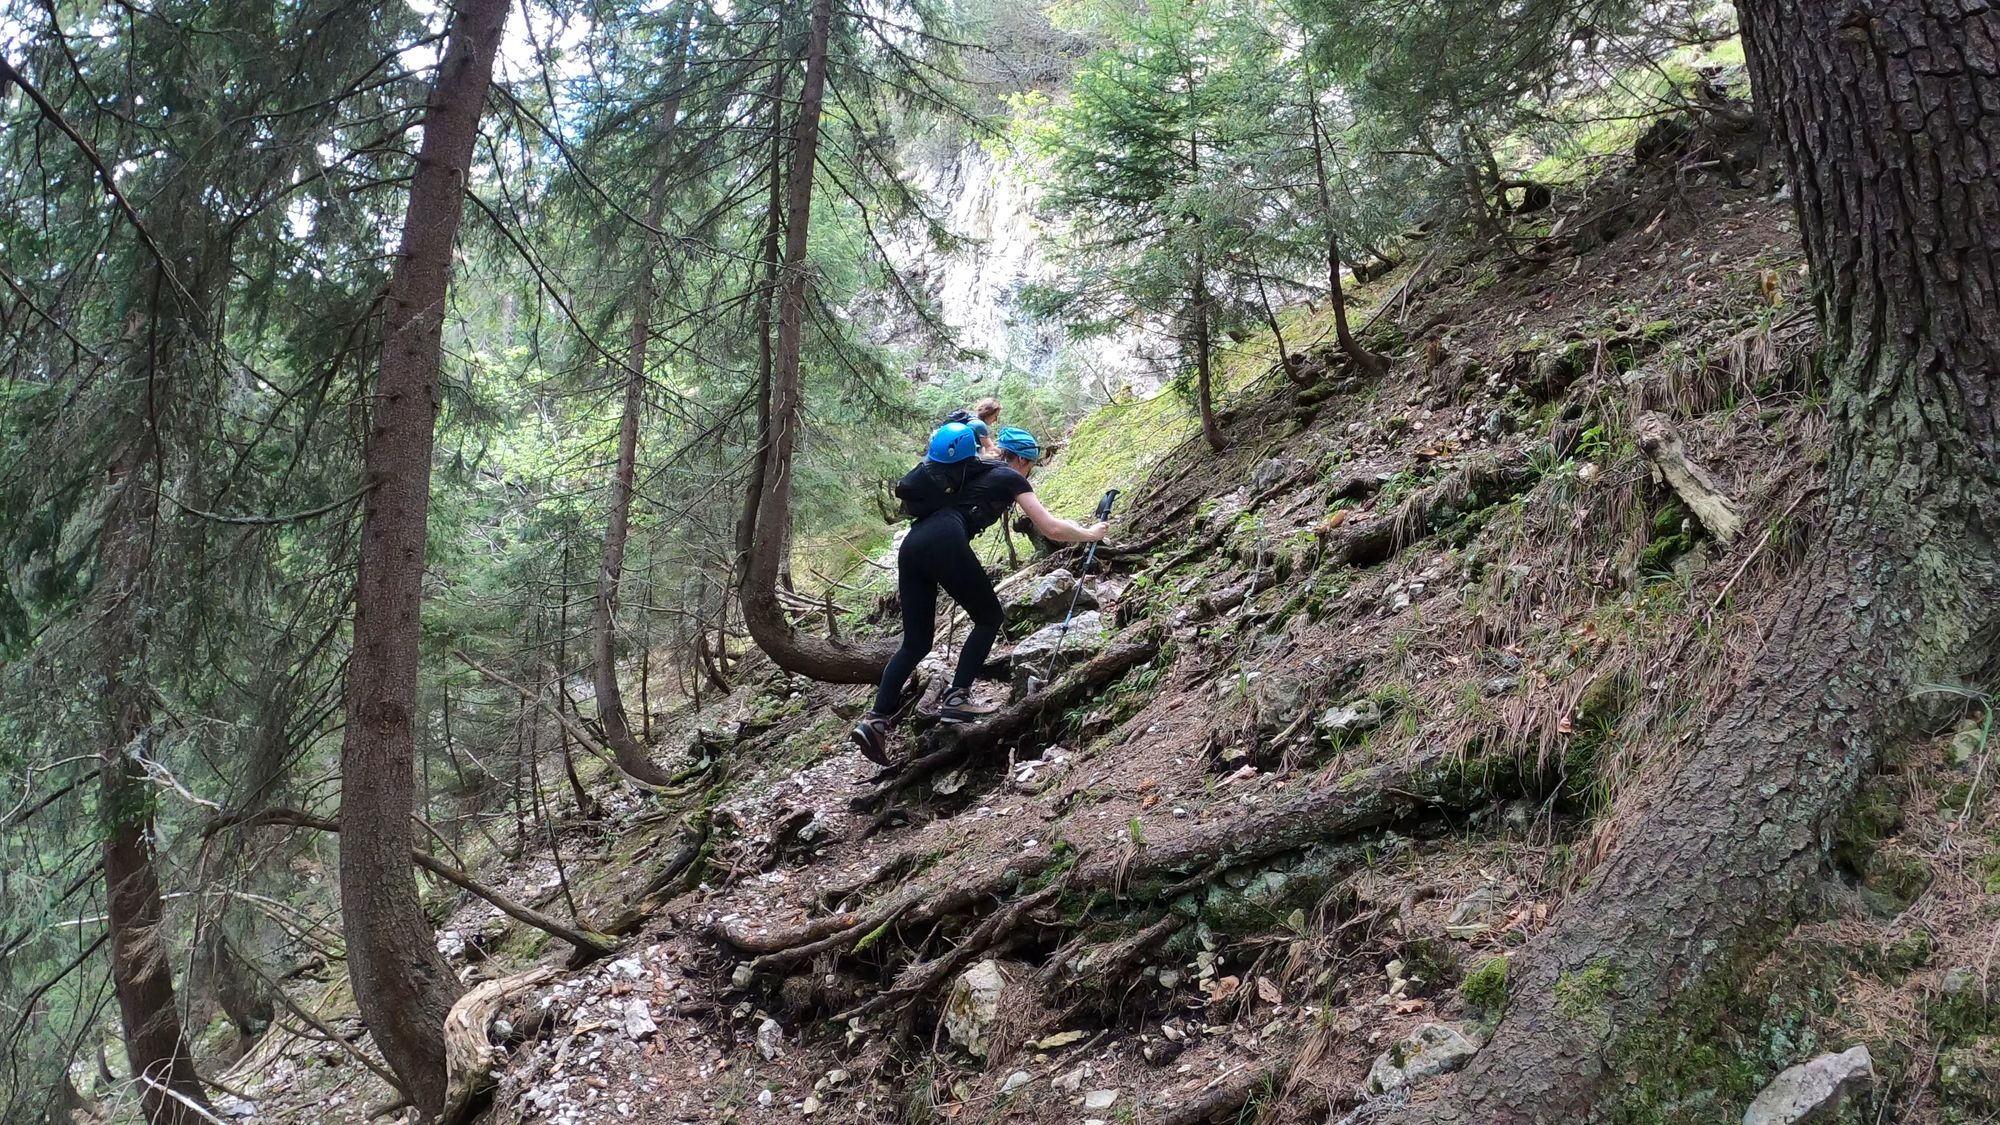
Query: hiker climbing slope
[{"x": 954, "y": 495}]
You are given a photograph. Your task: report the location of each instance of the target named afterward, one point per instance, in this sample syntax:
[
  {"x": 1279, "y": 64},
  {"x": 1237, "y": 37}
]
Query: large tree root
[
  {"x": 1481, "y": 483},
  {"x": 918, "y": 979},
  {"x": 1370, "y": 799},
  {"x": 945, "y": 746},
  {"x": 469, "y": 1055}
]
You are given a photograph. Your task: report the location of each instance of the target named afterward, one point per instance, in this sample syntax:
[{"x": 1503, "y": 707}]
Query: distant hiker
[
  {"x": 986, "y": 423},
  {"x": 984, "y": 419},
  {"x": 954, "y": 495}
]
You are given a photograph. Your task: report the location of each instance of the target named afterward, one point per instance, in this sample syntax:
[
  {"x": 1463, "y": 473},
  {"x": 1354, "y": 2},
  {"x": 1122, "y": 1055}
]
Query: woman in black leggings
[{"x": 938, "y": 552}]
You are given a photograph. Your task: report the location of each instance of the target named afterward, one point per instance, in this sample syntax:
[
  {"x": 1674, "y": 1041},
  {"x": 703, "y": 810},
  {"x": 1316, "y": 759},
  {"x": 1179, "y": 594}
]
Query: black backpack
[{"x": 932, "y": 487}]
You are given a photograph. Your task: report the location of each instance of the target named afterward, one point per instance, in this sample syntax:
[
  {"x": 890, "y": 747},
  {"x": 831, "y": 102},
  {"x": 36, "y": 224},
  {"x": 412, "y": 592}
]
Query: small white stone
[{"x": 1100, "y": 1099}]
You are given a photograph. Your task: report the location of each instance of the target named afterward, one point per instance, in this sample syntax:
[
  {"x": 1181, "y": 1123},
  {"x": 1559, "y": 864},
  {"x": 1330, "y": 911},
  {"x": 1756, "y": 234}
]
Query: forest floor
[{"x": 1399, "y": 665}]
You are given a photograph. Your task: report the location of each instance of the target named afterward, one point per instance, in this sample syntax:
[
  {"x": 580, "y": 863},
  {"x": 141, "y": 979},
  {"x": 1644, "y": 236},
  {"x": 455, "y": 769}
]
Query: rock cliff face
[{"x": 995, "y": 248}]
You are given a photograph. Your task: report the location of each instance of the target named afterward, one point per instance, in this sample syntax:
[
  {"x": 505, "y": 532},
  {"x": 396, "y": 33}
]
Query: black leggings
[{"x": 938, "y": 552}]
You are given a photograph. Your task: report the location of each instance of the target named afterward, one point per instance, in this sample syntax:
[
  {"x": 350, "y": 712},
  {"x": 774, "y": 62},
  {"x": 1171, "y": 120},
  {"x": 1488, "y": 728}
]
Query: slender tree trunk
[
  {"x": 401, "y": 984},
  {"x": 767, "y": 302},
  {"x": 817, "y": 657},
  {"x": 628, "y": 751},
  {"x": 141, "y": 970},
  {"x": 1204, "y": 347},
  {"x": 1367, "y": 362},
  {"x": 1888, "y": 121}
]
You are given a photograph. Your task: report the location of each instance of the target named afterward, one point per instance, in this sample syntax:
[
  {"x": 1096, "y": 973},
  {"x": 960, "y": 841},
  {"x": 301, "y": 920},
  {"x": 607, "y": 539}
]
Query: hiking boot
[
  {"x": 958, "y": 706},
  {"x": 871, "y": 737}
]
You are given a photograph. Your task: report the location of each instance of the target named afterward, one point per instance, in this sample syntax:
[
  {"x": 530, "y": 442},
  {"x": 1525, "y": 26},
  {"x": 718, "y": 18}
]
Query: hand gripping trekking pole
[{"x": 1103, "y": 513}]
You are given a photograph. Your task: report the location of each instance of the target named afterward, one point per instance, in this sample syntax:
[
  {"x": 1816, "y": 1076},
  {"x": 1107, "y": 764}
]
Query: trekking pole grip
[{"x": 1104, "y": 505}]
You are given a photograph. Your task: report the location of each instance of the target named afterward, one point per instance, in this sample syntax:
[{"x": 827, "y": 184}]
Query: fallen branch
[
  {"x": 325, "y": 1029},
  {"x": 469, "y": 1056},
  {"x": 1697, "y": 488},
  {"x": 589, "y": 945}
]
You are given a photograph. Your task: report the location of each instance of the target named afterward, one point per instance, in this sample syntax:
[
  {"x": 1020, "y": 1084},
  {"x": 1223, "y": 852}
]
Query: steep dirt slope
[{"x": 1374, "y": 690}]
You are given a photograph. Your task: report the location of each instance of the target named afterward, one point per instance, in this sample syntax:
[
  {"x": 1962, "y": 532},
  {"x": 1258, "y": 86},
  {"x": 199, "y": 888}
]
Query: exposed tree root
[
  {"x": 677, "y": 877},
  {"x": 469, "y": 1055},
  {"x": 1371, "y": 799},
  {"x": 918, "y": 979},
  {"x": 1226, "y": 1098},
  {"x": 1480, "y": 483},
  {"x": 945, "y": 746}
]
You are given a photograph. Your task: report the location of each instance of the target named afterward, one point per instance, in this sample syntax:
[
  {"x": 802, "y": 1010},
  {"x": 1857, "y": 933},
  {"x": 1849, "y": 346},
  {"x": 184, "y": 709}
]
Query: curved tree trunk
[
  {"x": 1888, "y": 123},
  {"x": 401, "y": 985},
  {"x": 771, "y": 524},
  {"x": 141, "y": 970}
]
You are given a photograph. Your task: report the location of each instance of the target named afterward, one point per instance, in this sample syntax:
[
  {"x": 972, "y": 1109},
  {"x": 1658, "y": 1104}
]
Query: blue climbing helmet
[
  {"x": 954, "y": 442},
  {"x": 1019, "y": 442}
]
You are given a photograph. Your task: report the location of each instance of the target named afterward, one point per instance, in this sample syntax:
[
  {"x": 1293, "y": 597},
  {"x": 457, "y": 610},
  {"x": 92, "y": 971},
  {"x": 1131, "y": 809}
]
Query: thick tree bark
[
  {"x": 401, "y": 985},
  {"x": 1889, "y": 117},
  {"x": 770, "y": 533},
  {"x": 141, "y": 970}
]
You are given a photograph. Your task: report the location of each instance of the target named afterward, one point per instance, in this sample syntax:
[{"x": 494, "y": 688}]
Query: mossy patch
[
  {"x": 1485, "y": 989},
  {"x": 1585, "y": 994},
  {"x": 1716, "y": 1046}
]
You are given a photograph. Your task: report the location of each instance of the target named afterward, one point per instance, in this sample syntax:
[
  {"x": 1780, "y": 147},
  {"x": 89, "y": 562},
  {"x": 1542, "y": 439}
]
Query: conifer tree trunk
[
  {"x": 1889, "y": 117},
  {"x": 141, "y": 969},
  {"x": 627, "y": 750},
  {"x": 1204, "y": 347},
  {"x": 818, "y": 657},
  {"x": 401, "y": 984}
]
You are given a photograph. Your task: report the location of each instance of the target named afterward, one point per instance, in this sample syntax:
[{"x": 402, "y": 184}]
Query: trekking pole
[{"x": 1103, "y": 513}]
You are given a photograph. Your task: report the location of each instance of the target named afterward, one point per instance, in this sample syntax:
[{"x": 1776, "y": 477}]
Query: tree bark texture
[
  {"x": 401, "y": 984},
  {"x": 141, "y": 970},
  {"x": 1889, "y": 117},
  {"x": 818, "y": 657}
]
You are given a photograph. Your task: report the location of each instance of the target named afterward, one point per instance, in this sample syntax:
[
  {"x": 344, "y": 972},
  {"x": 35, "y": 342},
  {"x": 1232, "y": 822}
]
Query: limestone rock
[
  {"x": 1270, "y": 473},
  {"x": 1813, "y": 1091},
  {"x": 1476, "y": 913},
  {"x": 1086, "y": 637},
  {"x": 972, "y": 1006},
  {"x": 770, "y": 1039},
  {"x": 1350, "y": 722},
  {"x": 1048, "y": 598},
  {"x": 1432, "y": 1049}
]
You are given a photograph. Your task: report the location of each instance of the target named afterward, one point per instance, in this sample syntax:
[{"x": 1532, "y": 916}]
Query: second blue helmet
[
  {"x": 953, "y": 442},
  {"x": 1019, "y": 442}
]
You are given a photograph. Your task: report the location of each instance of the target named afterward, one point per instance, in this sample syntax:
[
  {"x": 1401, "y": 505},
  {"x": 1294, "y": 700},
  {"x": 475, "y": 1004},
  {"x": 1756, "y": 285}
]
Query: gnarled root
[{"x": 469, "y": 1055}]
